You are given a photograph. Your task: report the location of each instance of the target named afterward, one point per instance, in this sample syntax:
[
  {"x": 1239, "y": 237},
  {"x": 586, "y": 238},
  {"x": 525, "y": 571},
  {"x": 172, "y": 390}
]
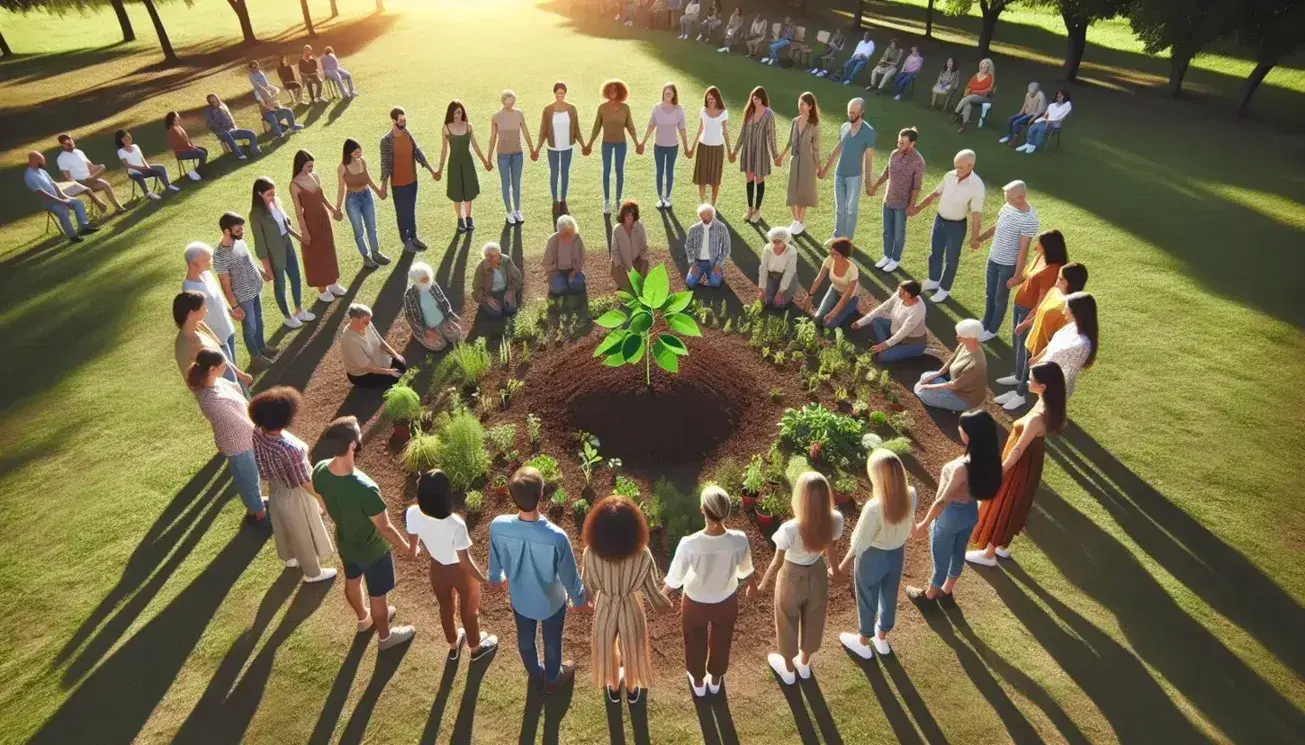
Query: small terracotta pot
[
  {"x": 500, "y": 491},
  {"x": 765, "y": 521},
  {"x": 747, "y": 500},
  {"x": 402, "y": 433},
  {"x": 843, "y": 498}
]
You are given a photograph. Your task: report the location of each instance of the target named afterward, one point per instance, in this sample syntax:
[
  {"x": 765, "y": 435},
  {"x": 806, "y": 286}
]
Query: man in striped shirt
[{"x": 1016, "y": 226}]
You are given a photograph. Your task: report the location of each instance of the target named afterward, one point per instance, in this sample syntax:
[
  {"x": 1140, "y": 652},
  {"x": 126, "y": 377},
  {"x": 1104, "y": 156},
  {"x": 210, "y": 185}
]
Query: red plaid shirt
[
  {"x": 226, "y": 409},
  {"x": 282, "y": 459}
]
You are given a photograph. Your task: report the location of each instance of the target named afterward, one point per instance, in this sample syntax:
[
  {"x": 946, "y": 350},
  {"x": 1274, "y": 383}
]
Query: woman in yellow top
[
  {"x": 840, "y": 301},
  {"x": 1041, "y": 325},
  {"x": 613, "y": 120}
]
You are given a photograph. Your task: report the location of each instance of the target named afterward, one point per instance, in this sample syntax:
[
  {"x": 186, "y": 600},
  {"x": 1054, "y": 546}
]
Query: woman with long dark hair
[
  {"x": 758, "y": 148},
  {"x": 271, "y": 231},
  {"x": 1074, "y": 345},
  {"x": 354, "y": 189},
  {"x": 803, "y": 168},
  {"x": 224, "y": 405},
  {"x": 459, "y": 141},
  {"x": 619, "y": 573},
  {"x": 139, "y": 169},
  {"x": 1039, "y": 278},
  {"x": 181, "y": 146},
  {"x": 946, "y": 83},
  {"x": 710, "y": 146},
  {"x": 316, "y": 236},
  {"x": 964, "y": 482},
  {"x": 1003, "y": 518}
]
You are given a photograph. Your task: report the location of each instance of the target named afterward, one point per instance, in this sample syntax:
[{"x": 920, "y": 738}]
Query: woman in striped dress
[
  {"x": 757, "y": 145},
  {"x": 619, "y": 574}
]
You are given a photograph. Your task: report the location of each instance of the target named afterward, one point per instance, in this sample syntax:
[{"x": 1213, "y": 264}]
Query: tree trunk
[
  {"x": 860, "y": 14},
  {"x": 241, "y": 8},
  {"x": 124, "y": 21},
  {"x": 985, "y": 34},
  {"x": 928, "y": 21},
  {"x": 169, "y": 55},
  {"x": 5, "y": 51},
  {"x": 308, "y": 18},
  {"x": 1179, "y": 60},
  {"x": 1076, "y": 31},
  {"x": 380, "y": 6},
  {"x": 1257, "y": 76},
  {"x": 334, "y": 10}
]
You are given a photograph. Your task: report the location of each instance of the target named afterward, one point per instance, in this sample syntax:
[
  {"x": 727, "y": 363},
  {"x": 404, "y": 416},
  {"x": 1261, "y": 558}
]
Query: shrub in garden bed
[
  {"x": 548, "y": 468},
  {"x": 421, "y": 453},
  {"x": 825, "y": 436},
  {"x": 460, "y": 449},
  {"x": 401, "y": 406}
]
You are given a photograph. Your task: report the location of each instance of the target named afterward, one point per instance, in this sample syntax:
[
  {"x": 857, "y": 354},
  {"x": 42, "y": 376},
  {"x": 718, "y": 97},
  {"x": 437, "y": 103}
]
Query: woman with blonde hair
[
  {"x": 509, "y": 137},
  {"x": 977, "y": 92},
  {"x": 877, "y": 551},
  {"x": 708, "y": 567},
  {"x": 619, "y": 574},
  {"x": 805, "y": 558}
]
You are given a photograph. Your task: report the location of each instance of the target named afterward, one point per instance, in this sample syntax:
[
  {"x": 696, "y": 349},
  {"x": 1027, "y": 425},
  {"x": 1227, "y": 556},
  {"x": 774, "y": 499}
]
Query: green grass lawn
[{"x": 1157, "y": 593}]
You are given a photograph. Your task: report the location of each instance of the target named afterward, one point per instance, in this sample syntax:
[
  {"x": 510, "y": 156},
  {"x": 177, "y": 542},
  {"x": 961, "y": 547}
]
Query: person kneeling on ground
[
  {"x": 777, "y": 275},
  {"x": 223, "y": 126},
  {"x": 369, "y": 360},
  {"x": 897, "y": 325},
  {"x": 428, "y": 312},
  {"x": 497, "y": 283},
  {"x": 840, "y": 300},
  {"x": 363, "y": 532},
  {"x": 564, "y": 259},
  {"x": 707, "y": 246},
  {"x": 629, "y": 246},
  {"x": 961, "y": 383}
]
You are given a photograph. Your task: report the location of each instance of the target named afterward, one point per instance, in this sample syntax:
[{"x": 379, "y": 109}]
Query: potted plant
[
  {"x": 401, "y": 406},
  {"x": 500, "y": 485},
  {"x": 845, "y": 488},
  {"x": 754, "y": 477},
  {"x": 557, "y": 503},
  {"x": 771, "y": 510}
]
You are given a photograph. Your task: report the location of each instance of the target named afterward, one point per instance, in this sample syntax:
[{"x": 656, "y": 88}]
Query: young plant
[
  {"x": 779, "y": 357},
  {"x": 840, "y": 394},
  {"x": 547, "y": 467},
  {"x": 728, "y": 475},
  {"x": 807, "y": 337},
  {"x": 824, "y": 434},
  {"x": 534, "y": 428},
  {"x": 626, "y": 487},
  {"x": 501, "y": 484},
  {"x": 776, "y": 395},
  {"x": 470, "y": 361},
  {"x": 631, "y": 337},
  {"x": 401, "y": 404},
  {"x": 589, "y": 458},
  {"x": 560, "y": 498},
  {"x": 775, "y": 505},
  {"x": 728, "y": 328},
  {"x": 510, "y": 388},
  {"x": 860, "y": 406},
  {"x": 614, "y": 467},
  {"x": 505, "y": 353},
  {"x": 797, "y": 465},
  {"x": 754, "y": 475},
  {"x": 898, "y": 445},
  {"x": 901, "y": 422},
  {"x": 461, "y": 449},
  {"x": 878, "y": 419},
  {"x": 475, "y": 502},
  {"x": 525, "y": 353},
  {"x": 845, "y": 484},
  {"x": 421, "y": 453},
  {"x": 526, "y": 326},
  {"x": 503, "y": 440},
  {"x": 580, "y": 508}
]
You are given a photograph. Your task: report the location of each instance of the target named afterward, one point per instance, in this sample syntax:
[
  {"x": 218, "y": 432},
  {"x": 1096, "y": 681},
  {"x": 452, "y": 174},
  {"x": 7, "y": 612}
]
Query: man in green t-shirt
[{"x": 362, "y": 529}]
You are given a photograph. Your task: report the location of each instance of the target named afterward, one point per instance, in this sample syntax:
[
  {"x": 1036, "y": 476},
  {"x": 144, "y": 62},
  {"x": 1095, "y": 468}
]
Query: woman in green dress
[
  {"x": 756, "y": 149},
  {"x": 804, "y": 145},
  {"x": 459, "y": 141}
]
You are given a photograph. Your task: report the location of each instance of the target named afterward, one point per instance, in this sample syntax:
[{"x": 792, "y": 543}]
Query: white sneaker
[
  {"x": 976, "y": 556},
  {"x": 1026, "y": 149},
  {"x": 519, "y": 217},
  {"x": 699, "y": 37},
  {"x": 891, "y": 266},
  {"x": 326, "y": 297},
  {"x": 723, "y": 49},
  {"x": 667, "y": 200},
  {"x": 661, "y": 203},
  {"x": 173, "y": 187},
  {"x": 1013, "y": 403},
  {"x": 192, "y": 175},
  {"x": 304, "y": 315},
  {"x": 292, "y": 322},
  {"x": 336, "y": 290},
  {"x": 776, "y": 661},
  {"x": 697, "y": 692},
  {"x": 607, "y": 207},
  {"x": 854, "y": 645},
  {"x": 822, "y": 73},
  {"x": 797, "y": 228},
  {"x": 1008, "y": 380},
  {"x": 1003, "y": 553},
  {"x": 328, "y": 573},
  {"x": 713, "y": 683},
  {"x": 986, "y": 336},
  {"x": 1003, "y": 398},
  {"x": 152, "y": 195},
  {"x": 1004, "y": 140},
  {"x": 292, "y": 564},
  {"x": 511, "y": 219},
  {"x": 242, "y": 156},
  {"x": 881, "y": 645},
  {"x": 803, "y": 671},
  {"x": 940, "y": 296},
  {"x": 929, "y": 284},
  {"x": 897, "y": 98},
  {"x": 880, "y": 264}
]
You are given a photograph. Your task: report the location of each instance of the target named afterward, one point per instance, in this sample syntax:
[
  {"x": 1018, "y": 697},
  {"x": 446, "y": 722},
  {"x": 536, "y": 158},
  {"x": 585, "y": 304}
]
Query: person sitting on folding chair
[
  {"x": 1051, "y": 121},
  {"x": 57, "y": 201},
  {"x": 75, "y": 166},
  {"x": 274, "y": 114},
  {"x": 181, "y": 146},
  {"x": 310, "y": 71},
  {"x": 340, "y": 76},
  {"x": 139, "y": 169},
  {"x": 223, "y": 126}
]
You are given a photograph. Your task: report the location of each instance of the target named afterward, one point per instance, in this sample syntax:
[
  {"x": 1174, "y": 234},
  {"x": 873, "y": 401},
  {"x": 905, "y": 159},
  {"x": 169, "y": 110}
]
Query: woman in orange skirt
[
  {"x": 1003, "y": 518},
  {"x": 317, "y": 239}
]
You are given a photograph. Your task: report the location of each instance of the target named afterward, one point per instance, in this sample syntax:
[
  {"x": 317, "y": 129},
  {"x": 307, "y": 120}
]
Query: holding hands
[
  {"x": 488, "y": 166},
  {"x": 534, "y": 155},
  {"x": 438, "y": 174},
  {"x": 779, "y": 161}
]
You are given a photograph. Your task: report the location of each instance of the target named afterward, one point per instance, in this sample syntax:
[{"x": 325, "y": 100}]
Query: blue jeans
[
  {"x": 878, "y": 574},
  {"x": 853, "y": 67},
  {"x": 948, "y": 537},
  {"x": 63, "y": 214},
  {"x": 998, "y": 295},
  {"x": 903, "y": 81},
  {"x": 1038, "y": 132},
  {"x": 279, "y": 276},
  {"x": 247, "y": 135},
  {"x": 405, "y": 210},
  {"x": 778, "y": 47},
  {"x": 847, "y": 199},
  {"x": 274, "y": 119},
  {"x": 155, "y": 171},
  {"x": 244, "y": 474},
  {"x": 664, "y": 156},
  {"x": 894, "y": 232},
  {"x": 1021, "y": 352},
  {"x": 559, "y": 172},
  {"x": 1016, "y": 123},
  {"x": 509, "y": 177},
  {"x": 362, "y": 213},
  {"x": 551, "y": 628},
  {"x": 939, "y": 398},
  {"x": 505, "y": 307},
  {"x": 702, "y": 272},
  {"x": 561, "y": 284},
  {"x": 945, "y": 250},
  {"x": 196, "y": 154},
  {"x": 880, "y": 330},
  {"x": 826, "y": 305},
  {"x": 251, "y": 326},
  {"x": 611, "y": 149}
]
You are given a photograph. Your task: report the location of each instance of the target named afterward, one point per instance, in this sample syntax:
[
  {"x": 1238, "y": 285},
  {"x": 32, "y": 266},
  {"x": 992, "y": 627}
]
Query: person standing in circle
[
  {"x": 613, "y": 119},
  {"x": 507, "y": 132},
  {"x": 316, "y": 235},
  {"x": 559, "y": 126},
  {"x": 758, "y": 148},
  {"x": 710, "y": 146},
  {"x": 804, "y": 166},
  {"x": 354, "y": 190},
  {"x": 459, "y": 141},
  {"x": 667, "y": 120},
  {"x": 400, "y": 156}
]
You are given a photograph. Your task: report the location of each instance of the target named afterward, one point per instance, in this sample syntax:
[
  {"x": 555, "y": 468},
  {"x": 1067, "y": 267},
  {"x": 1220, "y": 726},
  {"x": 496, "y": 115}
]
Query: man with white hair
[
  {"x": 961, "y": 382},
  {"x": 428, "y": 311},
  {"x": 1012, "y": 234},
  {"x": 960, "y": 201},
  {"x": 707, "y": 248},
  {"x": 496, "y": 284},
  {"x": 856, "y": 157},
  {"x": 564, "y": 259},
  {"x": 199, "y": 277}
]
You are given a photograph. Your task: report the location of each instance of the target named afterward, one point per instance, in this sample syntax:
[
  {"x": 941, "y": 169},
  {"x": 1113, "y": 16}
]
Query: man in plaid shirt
[{"x": 400, "y": 155}]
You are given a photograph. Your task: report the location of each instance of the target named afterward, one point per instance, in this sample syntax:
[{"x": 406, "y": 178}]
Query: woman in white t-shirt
[
  {"x": 708, "y": 567},
  {"x": 877, "y": 550},
  {"x": 452, "y": 570},
  {"x": 802, "y": 546},
  {"x": 1052, "y": 118},
  {"x": 139, "y": 169},
  {"x": 710, "y": 146}
]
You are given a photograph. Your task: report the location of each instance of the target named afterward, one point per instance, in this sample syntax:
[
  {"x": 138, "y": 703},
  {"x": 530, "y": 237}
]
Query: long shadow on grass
[
  {"x": 715, "y": 719},
  {"x": 432, "y": 730},
  {"x": 336, "y": 698},
  {"x": 115, "y": 701},
  {"x": 387, "y": 663},
  {"x": 551, "y": 707},
  {"x": 897, "y": 717},
  {"x": 801, "y": 719},
  {"x": 464, "y": 725}
]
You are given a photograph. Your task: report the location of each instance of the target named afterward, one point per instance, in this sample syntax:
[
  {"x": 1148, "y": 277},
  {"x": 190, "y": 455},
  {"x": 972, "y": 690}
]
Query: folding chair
[
  {"x": 182, "y": 170},
  {"x": 799, "y": 51},
  {"x": 331, "y": 87},
  {"x": 1055, "y": 133}
]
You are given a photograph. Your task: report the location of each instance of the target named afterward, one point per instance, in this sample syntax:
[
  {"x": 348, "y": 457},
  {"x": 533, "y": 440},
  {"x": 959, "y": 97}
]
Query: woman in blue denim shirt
[
  {"x": 354, "y": 190},
  {"x": 964, "y": 481}
]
